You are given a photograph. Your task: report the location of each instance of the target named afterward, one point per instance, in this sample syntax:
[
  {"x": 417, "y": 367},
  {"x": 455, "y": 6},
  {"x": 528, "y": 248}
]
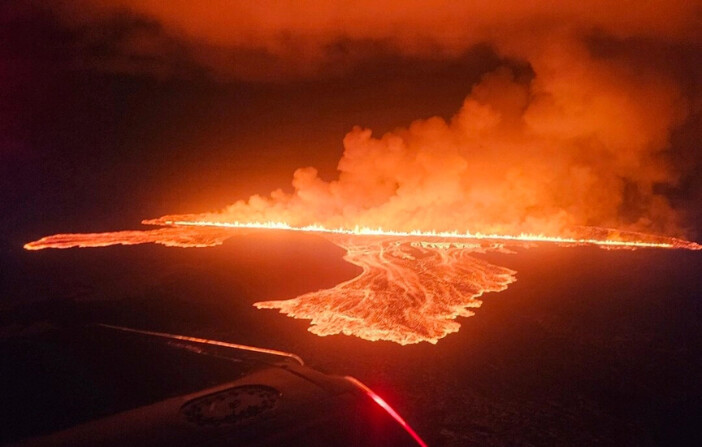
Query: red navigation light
[{"x": 381, "y": 402}]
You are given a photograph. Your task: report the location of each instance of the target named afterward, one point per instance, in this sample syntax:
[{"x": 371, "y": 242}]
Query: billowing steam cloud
[
  {"x": 579, "y": 140},
  {"x": 579, "y": 143}
]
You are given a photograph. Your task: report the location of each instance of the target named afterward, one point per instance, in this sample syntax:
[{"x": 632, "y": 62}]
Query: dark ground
[{"x": 588, "y": 347}]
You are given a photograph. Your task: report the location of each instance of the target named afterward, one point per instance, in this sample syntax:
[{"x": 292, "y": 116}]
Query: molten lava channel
[
  {"x": 407, "y": 292},
  {"x": 411, "y": 288}
]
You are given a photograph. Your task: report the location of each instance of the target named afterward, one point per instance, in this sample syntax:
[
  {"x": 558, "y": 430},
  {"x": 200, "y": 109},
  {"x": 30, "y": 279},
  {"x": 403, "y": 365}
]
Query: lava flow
[
  {"x": 407, "y": 292},
  {"x": 412, "y": 286},
  {"x": 182, "y": 233},
  {"x": 170, "y": 237}
]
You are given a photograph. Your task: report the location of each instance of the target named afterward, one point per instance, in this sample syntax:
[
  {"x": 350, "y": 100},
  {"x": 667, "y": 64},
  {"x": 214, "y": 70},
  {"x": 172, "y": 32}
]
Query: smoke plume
[
  {"x": 578, "y": 143},
  {"x": 578, "y": 139}
]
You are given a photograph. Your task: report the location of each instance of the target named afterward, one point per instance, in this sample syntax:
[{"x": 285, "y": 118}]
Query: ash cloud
[{"x": 581, "y": 140}]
